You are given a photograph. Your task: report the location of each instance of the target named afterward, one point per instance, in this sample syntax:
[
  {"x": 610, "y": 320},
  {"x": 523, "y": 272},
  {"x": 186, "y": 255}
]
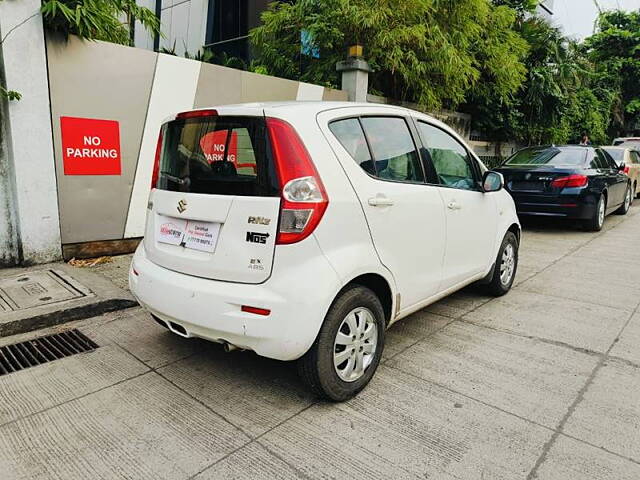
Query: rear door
[
  {"x": 404, "y": 215},
  {"x": 214, "y": 211},
  {"x": 616, "y": 180},
  {"x": 634, "y": 168},
  {"x": 471, "y": 215}
]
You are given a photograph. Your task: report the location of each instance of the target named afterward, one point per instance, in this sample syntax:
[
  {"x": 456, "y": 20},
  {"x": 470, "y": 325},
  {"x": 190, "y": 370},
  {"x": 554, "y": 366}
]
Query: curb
[{"x": 51, "y": 319}]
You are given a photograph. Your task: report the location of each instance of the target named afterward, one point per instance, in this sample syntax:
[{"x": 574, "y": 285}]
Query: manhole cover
[{"x": 38, "y": 288}]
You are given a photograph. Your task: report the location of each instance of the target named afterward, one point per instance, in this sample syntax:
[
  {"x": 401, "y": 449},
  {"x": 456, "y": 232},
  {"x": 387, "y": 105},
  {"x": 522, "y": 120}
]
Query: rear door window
[
  {"x": 606, "y": 160},
  {"x": 382, "y": 146},
  {"x": 217, "y": 155},
  {"x": 394, "y": 153},
  {"x": 351, "y": 136}
]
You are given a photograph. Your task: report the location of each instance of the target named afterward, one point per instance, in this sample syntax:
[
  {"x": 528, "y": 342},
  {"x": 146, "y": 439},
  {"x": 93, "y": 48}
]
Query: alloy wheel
[
  {"x": 355, "y": 344},
  {"x": 601, "y": 209},
  {"x": 507, "y": 264},
  {"x": 627, "y": 199}
]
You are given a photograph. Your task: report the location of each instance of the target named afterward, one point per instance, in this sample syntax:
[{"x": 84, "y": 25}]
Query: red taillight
[
  {"x": 571, "y": 181},
  {"x": 156, "y": 164},
  {"x": 626, "y": 170},
  {"x": 304, "y": 199},
  {"x": 255, "y": 310},
  {"x": 196, "y": 114}
]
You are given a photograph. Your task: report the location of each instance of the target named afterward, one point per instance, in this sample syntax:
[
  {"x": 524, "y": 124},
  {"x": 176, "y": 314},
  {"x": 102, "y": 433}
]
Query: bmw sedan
[{"x": 573, "y": 182}]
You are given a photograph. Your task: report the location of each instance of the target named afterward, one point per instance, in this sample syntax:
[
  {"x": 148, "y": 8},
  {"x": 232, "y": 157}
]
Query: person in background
[{"x": 585, "y": 140}]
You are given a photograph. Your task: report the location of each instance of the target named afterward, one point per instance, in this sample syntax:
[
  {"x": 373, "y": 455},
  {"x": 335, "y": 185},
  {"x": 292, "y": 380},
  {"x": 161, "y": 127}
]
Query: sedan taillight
[{"x": 571, "y": 181}]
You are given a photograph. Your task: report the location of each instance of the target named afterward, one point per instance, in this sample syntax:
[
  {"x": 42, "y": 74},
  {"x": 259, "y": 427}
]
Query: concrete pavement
[{"x": 542, "y": 383}]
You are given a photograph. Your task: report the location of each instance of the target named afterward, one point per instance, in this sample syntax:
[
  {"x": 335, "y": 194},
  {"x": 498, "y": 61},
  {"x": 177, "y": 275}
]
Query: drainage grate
[{"x": 31, "y": 353}]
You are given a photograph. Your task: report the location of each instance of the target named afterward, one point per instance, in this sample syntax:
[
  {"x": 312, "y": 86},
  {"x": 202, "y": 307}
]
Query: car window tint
[
  {"x": 605, "y": 159},
  {"x": 349, "y": 133},
  {"x": 450, "y": 159},
  {"x": 394, "y": 153},
  {"x": 616, "y": 153},
  {"x": 635, "y": 157},
  {"x": 598, "y": 161},
  {"x": 558, "y": 157}
]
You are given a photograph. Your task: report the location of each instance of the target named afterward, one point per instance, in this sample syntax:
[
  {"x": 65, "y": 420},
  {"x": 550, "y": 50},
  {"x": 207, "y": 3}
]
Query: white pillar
[
  {"x": 355, "y": 78},
  {"x": 28, "y": 152}
]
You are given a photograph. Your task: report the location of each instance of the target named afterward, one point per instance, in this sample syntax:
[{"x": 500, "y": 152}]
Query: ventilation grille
[{"x": 19, "y": 356}]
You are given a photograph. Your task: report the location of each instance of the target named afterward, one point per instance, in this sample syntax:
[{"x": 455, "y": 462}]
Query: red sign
[
  {"x": 213, "y": 146},
  {"x": 90, "y": 146}
]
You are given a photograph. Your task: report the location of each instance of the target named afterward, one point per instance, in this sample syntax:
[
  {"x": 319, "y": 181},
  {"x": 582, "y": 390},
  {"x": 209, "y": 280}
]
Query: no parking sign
[{"x": 90, "y": 146}]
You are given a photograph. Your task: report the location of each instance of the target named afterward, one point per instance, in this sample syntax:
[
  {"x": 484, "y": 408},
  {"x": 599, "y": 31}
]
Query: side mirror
[
  {"x": 621, "y": 167},
  {"x": 492, "y": 181}
]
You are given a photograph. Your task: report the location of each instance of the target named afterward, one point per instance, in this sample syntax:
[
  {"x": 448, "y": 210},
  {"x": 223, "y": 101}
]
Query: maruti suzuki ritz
[{"x": 302, "y": 230}]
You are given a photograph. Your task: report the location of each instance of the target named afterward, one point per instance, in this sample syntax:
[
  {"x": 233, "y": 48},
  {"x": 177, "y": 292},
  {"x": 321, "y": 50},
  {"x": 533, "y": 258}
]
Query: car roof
[{"x": 309, "y": 107}]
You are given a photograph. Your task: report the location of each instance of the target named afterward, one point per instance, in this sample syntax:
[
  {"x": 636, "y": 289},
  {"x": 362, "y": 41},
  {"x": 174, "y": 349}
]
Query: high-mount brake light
[
  {"x": 570, "y": 181},
  {"x": 196, "y": 114},
  {"x": 304, "y": 199},
  {"x": 156, "y": 164}
]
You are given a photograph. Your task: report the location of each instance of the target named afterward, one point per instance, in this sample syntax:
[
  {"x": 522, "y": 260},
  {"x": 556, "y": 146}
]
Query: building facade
[
  {"x": 545, "y": 9},
  {"x": 189, "y": 25}
]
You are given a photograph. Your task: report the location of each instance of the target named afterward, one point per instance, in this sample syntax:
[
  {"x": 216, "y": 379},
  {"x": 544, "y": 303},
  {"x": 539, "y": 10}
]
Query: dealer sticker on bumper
[{"x": 192, "y": 234}]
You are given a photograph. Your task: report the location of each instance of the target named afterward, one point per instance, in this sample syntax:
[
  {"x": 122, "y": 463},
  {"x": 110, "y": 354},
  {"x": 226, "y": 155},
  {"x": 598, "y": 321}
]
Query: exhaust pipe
[{"x": 229, "y": 347}]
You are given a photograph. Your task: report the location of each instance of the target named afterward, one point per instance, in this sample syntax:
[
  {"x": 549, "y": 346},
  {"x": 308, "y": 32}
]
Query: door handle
[
  {"x": 453, "y": 205},
  {"x": 380, "y": 201}
]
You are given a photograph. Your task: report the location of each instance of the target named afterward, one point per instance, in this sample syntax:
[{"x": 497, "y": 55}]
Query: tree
[
  {"x": 97, "y": 19},
  {"x": 432, "y": 52},
  {"x": 615, "y": 49}
]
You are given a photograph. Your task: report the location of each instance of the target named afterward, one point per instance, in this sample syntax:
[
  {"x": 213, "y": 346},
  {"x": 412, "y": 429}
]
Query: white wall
[{"x": 30, "y": 154}]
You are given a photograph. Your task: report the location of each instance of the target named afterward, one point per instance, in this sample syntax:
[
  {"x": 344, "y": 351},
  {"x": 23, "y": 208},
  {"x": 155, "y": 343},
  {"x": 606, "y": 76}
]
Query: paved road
[{"x": 542, "y": 383}]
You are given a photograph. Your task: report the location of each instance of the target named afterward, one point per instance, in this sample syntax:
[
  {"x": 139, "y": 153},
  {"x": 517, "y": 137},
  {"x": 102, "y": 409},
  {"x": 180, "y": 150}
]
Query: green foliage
[
  {"x": 615, "y": 50},
  {"x": 10, "y": 94},
  {"x": 97, "y": 19},
  {"x": 432, "y": 52}
]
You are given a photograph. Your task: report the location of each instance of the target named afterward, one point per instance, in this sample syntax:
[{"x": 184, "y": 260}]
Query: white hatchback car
[{"x": 302, "y": 230}]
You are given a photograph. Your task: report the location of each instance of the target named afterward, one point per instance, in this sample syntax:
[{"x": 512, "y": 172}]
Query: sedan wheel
[
  {"x": 596, "y": 221},
  {"x": 624, "y": 208}
]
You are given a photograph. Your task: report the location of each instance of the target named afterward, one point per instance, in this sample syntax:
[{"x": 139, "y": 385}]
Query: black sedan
[{"x": 576, "y": 182}]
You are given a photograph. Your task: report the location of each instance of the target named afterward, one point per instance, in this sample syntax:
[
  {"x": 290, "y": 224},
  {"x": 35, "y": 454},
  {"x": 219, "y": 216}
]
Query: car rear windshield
[
  {"x": 217, "y": 155},
  {"x": 551, "y": 156}
]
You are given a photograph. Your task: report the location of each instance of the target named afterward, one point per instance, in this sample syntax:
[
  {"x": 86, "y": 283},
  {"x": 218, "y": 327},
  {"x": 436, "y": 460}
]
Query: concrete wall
[
  {"x": 138, "y": 89},
  {"x": 29, "y": 227}
]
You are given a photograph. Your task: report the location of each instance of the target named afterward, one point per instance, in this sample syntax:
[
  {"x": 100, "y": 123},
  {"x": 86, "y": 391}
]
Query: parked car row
[
  {"x": 574, "y": 182},
  {"x": 302, "y": 231}
]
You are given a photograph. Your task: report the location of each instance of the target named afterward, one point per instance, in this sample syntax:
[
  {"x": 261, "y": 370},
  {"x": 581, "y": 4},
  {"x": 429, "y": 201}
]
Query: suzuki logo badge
[{"x": 182, "y": 205}]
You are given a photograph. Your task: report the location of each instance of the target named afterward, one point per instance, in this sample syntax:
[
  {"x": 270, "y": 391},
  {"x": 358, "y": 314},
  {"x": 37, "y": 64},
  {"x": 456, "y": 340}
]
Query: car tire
[
  {"x": 504, "y": 271},
  {"x": 317, "y": 367},
  {"x": 596, "y": 222},
  {"x": 624, "y": 208}
]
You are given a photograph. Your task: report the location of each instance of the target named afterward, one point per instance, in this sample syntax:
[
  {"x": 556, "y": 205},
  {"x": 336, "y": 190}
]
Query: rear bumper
[
  {"x": 564, "y": 206},
  {"x": 211, "y": 309}
]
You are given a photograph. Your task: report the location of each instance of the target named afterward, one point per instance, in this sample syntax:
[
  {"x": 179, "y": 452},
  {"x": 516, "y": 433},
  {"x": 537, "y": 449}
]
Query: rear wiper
[{"x": 178, "y": 180}]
